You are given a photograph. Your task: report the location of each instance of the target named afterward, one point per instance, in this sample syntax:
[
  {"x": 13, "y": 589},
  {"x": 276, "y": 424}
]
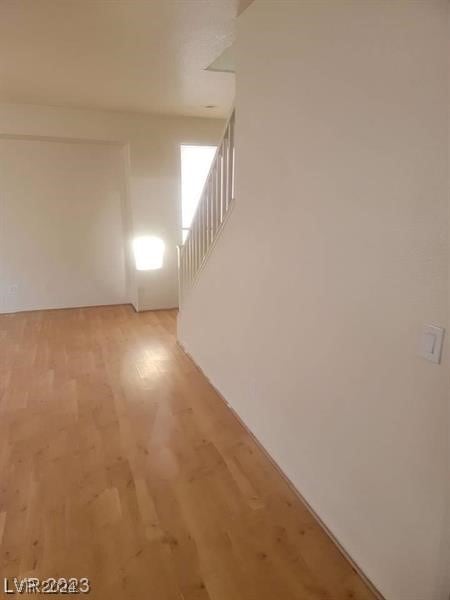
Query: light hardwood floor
[{"x": 119, "y": 462}]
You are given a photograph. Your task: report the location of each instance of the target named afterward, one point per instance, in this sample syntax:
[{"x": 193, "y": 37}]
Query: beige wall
[
  {"x": 308, "y": 312},
  {"x": 61, "y": 226},
  {"x": 151, "y": 147}
]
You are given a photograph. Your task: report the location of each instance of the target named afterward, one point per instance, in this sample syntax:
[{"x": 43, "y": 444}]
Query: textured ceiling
[{"x": 133, "y": 55}]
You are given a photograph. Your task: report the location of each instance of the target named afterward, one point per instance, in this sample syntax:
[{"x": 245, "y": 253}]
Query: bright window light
[
  {"x": 195, "y": 164},
  {"x": 148, "y": 253}
]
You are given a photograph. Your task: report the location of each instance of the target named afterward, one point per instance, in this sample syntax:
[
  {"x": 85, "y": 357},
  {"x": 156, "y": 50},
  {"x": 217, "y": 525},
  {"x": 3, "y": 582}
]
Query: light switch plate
[{"x": 431, "y": 343}]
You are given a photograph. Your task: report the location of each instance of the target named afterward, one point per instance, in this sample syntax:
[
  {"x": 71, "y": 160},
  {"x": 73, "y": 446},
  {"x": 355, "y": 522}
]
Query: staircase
[{"x": 214, "y": 206}]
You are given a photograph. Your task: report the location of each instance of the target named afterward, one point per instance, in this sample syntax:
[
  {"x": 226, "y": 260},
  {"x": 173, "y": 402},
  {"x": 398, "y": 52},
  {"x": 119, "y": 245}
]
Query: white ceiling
[{"x": 133, "y": 55}]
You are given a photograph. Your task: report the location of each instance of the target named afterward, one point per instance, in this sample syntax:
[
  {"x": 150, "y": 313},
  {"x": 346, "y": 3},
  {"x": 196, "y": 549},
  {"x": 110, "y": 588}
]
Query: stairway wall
[{"x": 307, "y": 315}]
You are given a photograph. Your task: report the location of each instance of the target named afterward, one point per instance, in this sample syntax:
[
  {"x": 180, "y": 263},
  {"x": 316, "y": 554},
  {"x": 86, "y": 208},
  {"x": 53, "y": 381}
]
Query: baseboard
[
  {"x": 49, "y": 308},
  {"x": 280, "y": 471},
  {"x": 144, "y": 310}
]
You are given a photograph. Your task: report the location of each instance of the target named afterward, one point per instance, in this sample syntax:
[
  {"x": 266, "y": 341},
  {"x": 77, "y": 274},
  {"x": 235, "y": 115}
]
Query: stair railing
[{"x": 214, "y": 206}]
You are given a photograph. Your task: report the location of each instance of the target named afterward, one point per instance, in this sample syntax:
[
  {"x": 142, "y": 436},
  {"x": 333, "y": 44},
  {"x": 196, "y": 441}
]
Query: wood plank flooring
[{"x": 119, "y": 462}]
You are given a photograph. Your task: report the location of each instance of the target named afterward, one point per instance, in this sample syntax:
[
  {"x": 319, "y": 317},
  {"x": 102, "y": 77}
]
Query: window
[
  {"x": 195, "y": 164},
  {"x": 148, "y": 253}
]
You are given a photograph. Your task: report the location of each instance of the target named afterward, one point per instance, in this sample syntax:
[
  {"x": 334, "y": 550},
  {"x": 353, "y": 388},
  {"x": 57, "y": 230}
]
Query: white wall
[
  {"x": 61, "y": 226},
  {"x": 308, "y": 312},
  {"x": 151, "y": 148}
]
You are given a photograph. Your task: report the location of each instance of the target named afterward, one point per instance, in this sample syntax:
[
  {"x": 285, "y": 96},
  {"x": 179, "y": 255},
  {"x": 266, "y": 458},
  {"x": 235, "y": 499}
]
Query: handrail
[{"x": 214, "y": 205}]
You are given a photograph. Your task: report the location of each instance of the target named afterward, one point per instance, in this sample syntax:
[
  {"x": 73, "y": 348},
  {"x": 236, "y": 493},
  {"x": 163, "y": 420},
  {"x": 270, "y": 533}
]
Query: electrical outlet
[{"x": 11, "y": 290}]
